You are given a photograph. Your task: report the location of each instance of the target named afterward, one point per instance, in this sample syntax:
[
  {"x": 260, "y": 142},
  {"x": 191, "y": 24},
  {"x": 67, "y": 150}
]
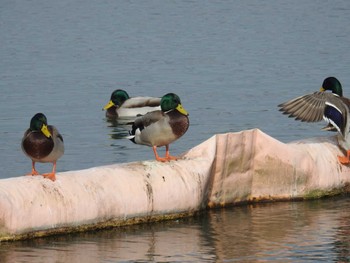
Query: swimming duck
[
  {"x": 330, "y": 106},
  {"x": 162, "y": 127},
  {"x": 42, "y": 143},
  {"x": 121, "y": 105}
]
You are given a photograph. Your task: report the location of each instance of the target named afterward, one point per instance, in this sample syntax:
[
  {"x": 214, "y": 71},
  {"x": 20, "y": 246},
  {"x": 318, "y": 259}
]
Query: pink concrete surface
[{"x": 224, "y": 170}]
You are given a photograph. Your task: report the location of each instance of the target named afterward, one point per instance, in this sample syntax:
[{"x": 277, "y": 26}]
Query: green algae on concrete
[
  {"x": 92, "y": 227},
  {"x": 318, "y": 193}
]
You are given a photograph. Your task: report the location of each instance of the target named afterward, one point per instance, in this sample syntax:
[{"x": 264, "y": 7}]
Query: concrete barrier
[{"x": 227, "y": 169}]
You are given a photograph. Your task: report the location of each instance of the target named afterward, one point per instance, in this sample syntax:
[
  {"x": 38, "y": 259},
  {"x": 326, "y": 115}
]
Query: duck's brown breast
[
  {"x": 179, "y": 123},
  {"x": 37, "y": 145}
]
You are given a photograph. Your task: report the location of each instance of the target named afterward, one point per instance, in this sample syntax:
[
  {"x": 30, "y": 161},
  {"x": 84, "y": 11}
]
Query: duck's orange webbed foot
[
  {"x": 160, "y": 159},
  {"x": 171, "y": 158},
  {"x": 33, "y": 172},
  {"x": 345, "y": 159},
  {"x": 50, "y": 176},
  {"x": 168, "y": 156}
]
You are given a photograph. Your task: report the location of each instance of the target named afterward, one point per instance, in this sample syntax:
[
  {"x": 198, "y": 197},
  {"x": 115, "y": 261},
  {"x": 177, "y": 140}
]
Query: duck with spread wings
[{"x": 329, "y": 106}]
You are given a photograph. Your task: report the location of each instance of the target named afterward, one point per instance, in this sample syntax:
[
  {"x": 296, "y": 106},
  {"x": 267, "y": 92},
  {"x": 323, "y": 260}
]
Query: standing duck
[
  {"x": 162, "y": 127},
  {"x": 330, "y": 106},
  {"x": 121, "y": 105},
  {"x": 42, "y": 143}
]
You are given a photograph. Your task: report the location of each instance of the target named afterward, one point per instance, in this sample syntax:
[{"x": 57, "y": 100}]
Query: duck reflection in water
[{"x": 119, "y": 128}]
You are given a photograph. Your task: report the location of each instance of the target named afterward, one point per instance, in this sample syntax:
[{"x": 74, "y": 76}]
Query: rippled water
[
  {"x": 231, "y": 62},
  {"x": 284, "y": 232}
]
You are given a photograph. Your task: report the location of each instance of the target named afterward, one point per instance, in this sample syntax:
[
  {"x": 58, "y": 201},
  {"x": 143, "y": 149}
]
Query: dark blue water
[{"x": 231, "y": 63}]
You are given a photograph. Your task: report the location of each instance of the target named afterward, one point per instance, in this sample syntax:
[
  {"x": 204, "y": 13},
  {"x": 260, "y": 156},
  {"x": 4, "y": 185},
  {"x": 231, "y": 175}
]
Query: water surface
[
  {"x": 284, "y": 232},
  {"x": 231, "y": 62}
]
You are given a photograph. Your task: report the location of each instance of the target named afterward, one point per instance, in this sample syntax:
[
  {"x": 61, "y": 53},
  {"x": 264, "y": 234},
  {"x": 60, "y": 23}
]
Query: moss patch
[
  {"x": 92, "y": 227},
  {"x": 316, "y": 194}
]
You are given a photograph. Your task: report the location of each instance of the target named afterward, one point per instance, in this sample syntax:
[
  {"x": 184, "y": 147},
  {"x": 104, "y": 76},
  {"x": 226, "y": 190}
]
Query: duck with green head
[
  {"x": 121, "y": 105},
  {"x": 162, "y": 127},
  {"x": 329, "y": 106},
  {"x": 42, "y": 143}
]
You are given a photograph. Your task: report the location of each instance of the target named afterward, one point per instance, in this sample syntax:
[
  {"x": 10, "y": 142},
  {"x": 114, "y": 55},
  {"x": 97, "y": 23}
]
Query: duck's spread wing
[
  {"x": 146, "y": 120},
  {"x": 308, "y": 108}
]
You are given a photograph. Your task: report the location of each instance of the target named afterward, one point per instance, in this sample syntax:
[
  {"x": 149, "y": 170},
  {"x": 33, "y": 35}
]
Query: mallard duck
[
  {"x": 162, "y": 127},
  {"x": 330, "y": 106},
  {"x": 42, "y": 143},
  {"x": 121, "y": 105}
]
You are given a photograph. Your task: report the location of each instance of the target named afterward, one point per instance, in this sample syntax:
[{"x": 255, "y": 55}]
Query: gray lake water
[
  {"x": 282, "y": 232},
  {"x": 231, "y": 63}
]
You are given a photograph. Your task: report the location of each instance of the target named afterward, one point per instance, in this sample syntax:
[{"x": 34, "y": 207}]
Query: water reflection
[
  {"x": 119, "y": 128},
  {"x": 163, "y": 242},
  {"x": 342, "y": 232},
  {"x": 288, "y": 232},
  {"x": 302, "y": 231}
]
